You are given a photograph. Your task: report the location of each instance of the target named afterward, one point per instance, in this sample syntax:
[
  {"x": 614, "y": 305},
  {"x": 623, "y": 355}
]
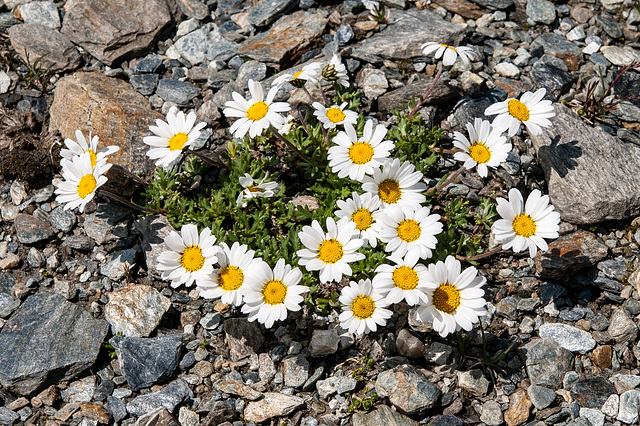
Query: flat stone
[
  {"x": 194, "y": 9},
  {"x": 116, "y": 30},
  {"x": 491, "y": 413},
  {"x": 609, "y": 25},
  {"x": 8, "y": 417},
  {"x": 570, "y": 338},
  {"x": 324, "y": 342},
  {"x": 205, "y": 44},
  {"x": 243, "y": 337},
  {"x": 473, "y": 381},
  {"x": 56, "y": 339},
  {"x": 7, "y": 305},
  {"x": 382, "y": 415},
  {"x": 176, "y": 91},
  {"x": 408, "y": 388},
  {"x": 109, "y": 223},
  {"x": 494, "y": 4},
  {"x": 95, "y": 412},
  {"x": 117, "y": 408},
  {"x": 442, "y": 92},
  {"x": 622, "y": 327},
  {"x": 540, "y": 396},
  {"x": 106, "y": 103},
  {"x": 629, "y": 407},
  {"x": 39, "y": 41},
  {"x": 238, "y": 388},
  {"x": 518, "y": 411},
  {"x": 592, "y": 392},
  {"x": 168, "y": 397},
  {"x": 336, "y": 384},
  {"x": 552, "y": 44},
  {"x": 31, "y": 230},
  {"x": 569, "y": 254},
  {"x": 464, "y": 8},
  {"x": 507, "y": 69},
  {"x": 295, "y": 370},
  {"x": 619, "y": 56},
  {"x": 595, "y": 417},
  {"x": 267, "y": 12},
  {"x": 555, "y": 80},
  {"x": 285, "y": 42},
  {"x": 272, "y": 405},
  {"x": 546, "y": 362},
  {"x": 406, "y": 32},
  {"x": 373, "y": 82},
  {"x": 157, "y": 417},
  {"x": 569, "y": 151},
  {"x": 80, "y": 390},
  {"x": 147, "y": 361},
  {"x": 135, "y": 310},
  {"x": 153, "y": 229},
  {"x": 409, "y": 345},
  {"x": 42, "y": 13},
  {"x": 79, "y": 242},
  {"x": 63, "y": 220},
  {"x": 541, "y": 11},
  {"x": 117, "y": 264},
  {"x": 145, "y": 84},
  {"x": 251, "y": 70}
]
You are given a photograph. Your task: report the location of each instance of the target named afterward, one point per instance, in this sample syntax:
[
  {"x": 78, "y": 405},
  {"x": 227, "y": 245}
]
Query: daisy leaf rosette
[
  {"x": 396, "y": 183},
  {"x": 172, "y": 136},
  {"x": 353, "y": 156},
  {"x": 190, "y": 256},
  {"x": 237, "y": 270},
  {"x": 80, "y": 146},
  {"x": 363, "y": 211},
  {"x": 364, "y": 308},
  {"x": 334, "y": 115},
  {"x": 455, "y": 297},
  {"x": 330, "y": 252},
  {"x": 273, "y": 293},
  {"x": 449, "y": 54},
  {"x": 406, "y": 230},
  {"x": 255, "y": 114},
  {"x": 486, "y": 147},
  {"x": 406, "y": 280},
  {"x": 81, "y": 181},
  {"x": 531, "y": 110},
  {"x": 262, "y": 189},
  {"x": 526, "y": 225}
]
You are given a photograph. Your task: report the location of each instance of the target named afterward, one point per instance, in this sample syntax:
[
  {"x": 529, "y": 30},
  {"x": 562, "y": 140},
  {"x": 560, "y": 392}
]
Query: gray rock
[
  {"x": 542, "y": 11},
  {"x": 7, "y": 20},
  {"x": 79, "y": 391},
  {"x": 110, "y": 222},
  {"x": 335, "y": 384},
  {"x": 629, "y": 407},
  {"x": 272, "y": 405},
  {"x": 118, "y": 264},
  {"x": 621, "y": 327},
  {"x": 406, "y": 32},
  {"x": 570, "y": 338},
  {"x": 567, "y": 255},
  {"x": 540, "y": 396},
  {"x": 147, "y": 361},
  {"x": 194, "y": 9},
  {"x": 211, "y": 321},
  {"x": 382, "y": 415},
  {"x": 546, "y": 362},
  {"x": 251, "y": 70},
  {"x": 374, "y": 83},
  {"x": 39, "y": 41},
  {"x": 613, "y": 268},
  {"x": 55, "y": 339},
  {"x": 63, "y": 220},
  {"x": 473, "y": 381},
  {"x": 145, "y": 83},
  {"x": 343, "y": 34},
  {"x": 467, "y": 109},
  {"x": 104, "y": 389},
  {"x": 409, "y": 345},
  {"x": 494, "y": 4},
  {"x": 626, "y": 111},
  {"x": 168, "y": 397},
  {"x": 8, "y": 417},
  {"x": 438, "y": 353},
  {"x": 508, "y": 308},
  {"x": 442, "y": 92},
  {"x": 148, "y": 65},
  {"x": 243, "y": 337},
  {"x": 555, "y": 80},
  {"x": 595, "y": 417},
  {"x": 176, "y": 91},
  {"x": 447, "y": 420},
  {"x": 295, "y": 370},
  {"x": 592, "y": 392},
  {"x": 619, "y": 56},
  {"x": 611, "y": 406},
  {"x": 31, "y": 230},
  {"x": 154, "y": 230},
  {"x": 569, "y": 152},
  {"x": 7, "y": 305},
  {"x": 609, "y": 25},
  {"x": 491, "y": 413},
  {"x": 42, "y": 13},
  {"x": 324, "y": 342},
  {"x": 116, "y": 30},
  {"x": 79, "y": 242},
  {"x": 266, "y": 13},
  {"x": 408, "y": 388},
  {"x": 552, "y": 43},
  {"x": 205, "y": 44},
  {"x": 135, "y": 310}
]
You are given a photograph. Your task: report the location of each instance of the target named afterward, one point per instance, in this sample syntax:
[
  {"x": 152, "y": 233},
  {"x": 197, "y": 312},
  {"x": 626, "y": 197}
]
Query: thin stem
[
  {"x": 303, "y": 122},
  {"x": 449, "y": 179},
  {"x": 129, "y": 203},
  {"x": 481, "y": 255},
  {"x": 292, "y": 146},
  {"x": 324, "y": 96},
  {"x": 427, "y": 93},
  {"x": 208, "y": 160},
  {"x": 448, "y": 151},
  {"x": 325, "y": 134},
  {"x": 133, "y": 176}
]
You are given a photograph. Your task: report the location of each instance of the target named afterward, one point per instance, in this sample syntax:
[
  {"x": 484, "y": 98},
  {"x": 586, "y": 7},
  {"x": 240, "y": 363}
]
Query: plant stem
[
  {"x": 129, "y": 203},
  {"x": 449, "y": 179},
  {"x": 324, "y": 131},
  {"x": 427, "y": 93},
  {"x": 481, "y": 255},
  {"x": 133, "y": 176},
  {"x": 324, "y": 96},
  {"x": 208, "y": 160},
  {"x": 303, "y": 122},
  {"x": 292, "y": 146}
]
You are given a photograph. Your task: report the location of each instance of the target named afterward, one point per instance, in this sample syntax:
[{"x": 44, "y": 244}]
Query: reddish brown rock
[
  {"x": 463, "y": 8},
  {"x": 399, "y": 98},
  {"x": 602, "y": 356},
  {"x": 95, "y": 412},
  {"x": 518, "y": 411},
  {"x": 569, "y": 254}
]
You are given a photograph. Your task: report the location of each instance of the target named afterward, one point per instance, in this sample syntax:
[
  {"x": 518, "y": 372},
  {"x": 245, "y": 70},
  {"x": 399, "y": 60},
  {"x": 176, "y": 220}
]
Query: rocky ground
[{"x": 71, "y": 282}]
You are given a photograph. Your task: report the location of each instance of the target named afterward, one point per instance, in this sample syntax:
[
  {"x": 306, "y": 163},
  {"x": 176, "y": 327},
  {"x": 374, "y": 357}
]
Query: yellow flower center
[
  {"x": 330, "y": 251},
  {"x": 480, "y": 153},
  {"x": 448, "y": 47},
  {"x": 177, "y": 141},
  {"x": 252, "y": 188},
  {"x": 446, "y": 298},
  {"x": 363, "y": 307},
  {"x": 524, "y": 225},
  {"x": 389, "y": 191},
  {"x": 361, "y": 152},
  {"x": 87, "y": 185},
  {"x": 409, "y": 230},
  {"x": 192, "y": 259},
  {"x": 274, "y": 292},
  {"x": 518, "y": 110},
  {"x": 257, "y": 111},
  {"x": 335, "y": 115},
  {"x": 94, "y": 158},
  {"x": 230, "y": 278},
  {"x": 405, "y": 278},
  {"x": 363, "y": 219}
]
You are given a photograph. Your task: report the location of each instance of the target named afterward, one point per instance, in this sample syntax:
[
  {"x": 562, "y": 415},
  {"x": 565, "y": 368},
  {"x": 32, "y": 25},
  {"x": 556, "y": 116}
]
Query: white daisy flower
[
  {"x": 289, "y": 122},
  {"x": 172, "y": 136},
  {"x": 262, "y": 189},
  {"x": 486, "y": 147},
  {"x": 364, "y": 309},
  {"x": 526, "y": 225},
  {"x": 81, "y": 180},
  {"x": 190, "y": 256},
  {"x": 298, "y": 79},
  {"x": 456, "y": 299},
  {"x": 238, "y": 268},
  {"x": 530, "y": 110},
  {"x": 76, "y": 148},
  {"x": 363, "y": 211},
  {"x": 404, "y": 280},
  {"x": 450, "y": 53},
  {"x": 255, "y": 114},
  {"x": 336, "y": 71},
  {"x": 330, "y": 252},
  {"x": 355, "y": 157},
  {"x": 407, "y": 230},
  {"x": 397, "y": 184},
  {"x": 273, "y": 293},
  {"x": 334, "y": 115}
]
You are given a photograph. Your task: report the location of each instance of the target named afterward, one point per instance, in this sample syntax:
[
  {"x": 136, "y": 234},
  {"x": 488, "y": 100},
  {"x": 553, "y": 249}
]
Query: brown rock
[
  {"x": 409, "y": 345},
  {"x": 159, "y": 417},
  {"x": 116, "y": 30},
  {"x": 18, "y": 404},
  {"x": 582, "y": 14},
  {"x": 286, "y": 40},
  {"x": 273, "y": 405},
  {"x": 569, "y": 254},
  {"x": 239, "y": 389},
  {"x": 38, "y": 41},
  {"x": 111, "y": 109},
  {"x": 602, "y": 356},
  {"x": 10, "y": 262},
  {"x": 243, "y": 337},
  {"x": 463, "y": 8},
  {"x": 95, "y": 412},
  {"x": 399, "y": 98},
  {"x": 518, "y": 411},
  {"x": 365, "y": 26},
  {"x": 46, "y": 397}
]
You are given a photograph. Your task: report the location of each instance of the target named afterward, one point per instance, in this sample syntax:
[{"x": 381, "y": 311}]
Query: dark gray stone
[
  {"x": 7, "y": 20},
  {"x": 569, "y": 152},
  {"x": 508, "y": 308},
  {"x": 438, "y": 353},
  {"x": 552, "y": 43},
  {"x": 627, "y": 85},
  {"x": 268, "y": 12},
  {"x": 61, "y": 219},
  {"x": 8, "y": 417},
  {"x": 117, "y": 408},
  {"x": 540, "y": 396},
  {"x": 176, "y": 91},
  {"x": 251, "y": 70},
  {"x": 205, "y": 44},
  {"x": 382, "y": 415},
  {"x": 542, "y": 11},
  {"x": 7, "y": 305},
  {"x": 110, "y": 222},
  {"x": 546, "y": 362},
  {"x": 79, "y": 242},
  {"x": 145, "y": 83},
  {"x": 104, "y": 389},
  {"x": 555, "y": 80},
  {"x": 56, "y": 340},
  {"x": 609, "y": 25},
  {"x": 442, "y": 92},
  {"x": 324, "y": 342},
  {"x": 30, "y": 229},
  {"x": 147, "y": 361},
  {"x": 592, "y": 392},
  {"x": 447, "y": 420},
  {"x": 614, "y": 268},
  {"x": 408, "y": 388},
  {"x": 168, "y": 397},
  {"x": 7, "y": 281},
  {"x": 494, "y": 4},
  {"x": 147, "y": 65},
  {"x": 468, "y": 109}
]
